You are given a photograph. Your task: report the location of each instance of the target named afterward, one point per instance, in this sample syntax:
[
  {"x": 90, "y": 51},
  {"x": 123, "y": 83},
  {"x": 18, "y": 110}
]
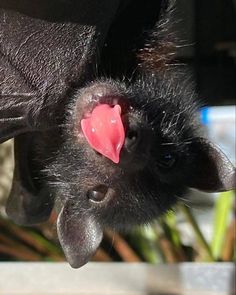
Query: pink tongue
[{"x": 104, "y": 131}]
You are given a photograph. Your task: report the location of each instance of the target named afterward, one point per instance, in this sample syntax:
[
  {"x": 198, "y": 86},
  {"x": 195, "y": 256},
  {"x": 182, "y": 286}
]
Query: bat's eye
[
  {"x": 97, "y": 194},
  {"x": 167, "y": 161}
]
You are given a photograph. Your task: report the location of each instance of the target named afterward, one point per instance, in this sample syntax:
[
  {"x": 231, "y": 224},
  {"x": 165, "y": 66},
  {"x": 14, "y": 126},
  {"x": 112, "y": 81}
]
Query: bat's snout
[
  {"x": 112, "y": 126},
  {"x": 118, "y": 136}
]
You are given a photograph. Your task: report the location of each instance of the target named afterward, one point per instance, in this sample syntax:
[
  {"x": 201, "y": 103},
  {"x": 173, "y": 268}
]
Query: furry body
[{"x": 163, "y": 153}]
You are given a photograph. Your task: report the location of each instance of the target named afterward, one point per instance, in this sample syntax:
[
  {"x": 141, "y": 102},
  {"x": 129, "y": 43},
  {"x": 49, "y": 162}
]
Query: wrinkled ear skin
[
  {"x": 211, "y": 170},
  {"x": 80, "y": 234},
  {"x": 27, "y": 204}
]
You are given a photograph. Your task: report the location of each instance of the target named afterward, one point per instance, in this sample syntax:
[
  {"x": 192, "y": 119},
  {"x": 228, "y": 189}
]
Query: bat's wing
[
  {"x": 47, "y": 48},
  {"x": 29, "y": 202},
  {"x": 16, "y": 100}
]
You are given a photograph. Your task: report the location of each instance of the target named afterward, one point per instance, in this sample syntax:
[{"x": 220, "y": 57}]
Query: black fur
[
  {"x": 167, "y": 113},
  {"x": 53, "y": 159}
]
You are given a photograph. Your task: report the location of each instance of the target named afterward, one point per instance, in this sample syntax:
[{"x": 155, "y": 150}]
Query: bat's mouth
[
  {"x": 118, "y": 136},
  {"x": 111, "y": 127},
  {"x": 104, "y": 130}
]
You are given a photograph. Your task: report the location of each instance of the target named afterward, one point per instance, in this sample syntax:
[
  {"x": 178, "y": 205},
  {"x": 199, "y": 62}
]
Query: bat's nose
[
  {"x": 136, "y": 146},
  {"x": 132, "y": 139}
]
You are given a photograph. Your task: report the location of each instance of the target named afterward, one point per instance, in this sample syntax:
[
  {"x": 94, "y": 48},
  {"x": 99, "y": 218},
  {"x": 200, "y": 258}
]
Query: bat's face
[
  {"x": 161, "y": 155},
  {"x": 148, "y": 176}
]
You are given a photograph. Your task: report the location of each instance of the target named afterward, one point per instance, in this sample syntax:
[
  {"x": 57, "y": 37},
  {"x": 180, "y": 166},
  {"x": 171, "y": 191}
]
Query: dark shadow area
[
  {"x": 215, "y": 35},
  {"x": 126, "y": 35},
  {"x": 88, "y": 12}
]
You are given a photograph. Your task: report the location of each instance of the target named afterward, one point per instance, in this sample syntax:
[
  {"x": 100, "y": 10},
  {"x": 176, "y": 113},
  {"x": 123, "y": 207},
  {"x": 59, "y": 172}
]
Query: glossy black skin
[{"x": 53, "y": 63}]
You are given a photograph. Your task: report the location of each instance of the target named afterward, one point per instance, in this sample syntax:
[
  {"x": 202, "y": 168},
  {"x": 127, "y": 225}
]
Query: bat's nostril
[
  {"x": 136, "y": 149},
  {"x": 132, "y": 135},
  {"x": 131, "y": 140}
]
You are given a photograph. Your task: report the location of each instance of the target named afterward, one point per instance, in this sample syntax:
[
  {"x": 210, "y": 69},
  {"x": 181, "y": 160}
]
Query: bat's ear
[
  {"x": 211, "y": 170},
  {"x": 80, "y": 235},
  {"x": 26, "y": 204}
]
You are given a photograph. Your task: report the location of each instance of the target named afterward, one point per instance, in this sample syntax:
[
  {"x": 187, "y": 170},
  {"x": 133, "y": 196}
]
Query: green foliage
[{"x": 223, "y": 214}]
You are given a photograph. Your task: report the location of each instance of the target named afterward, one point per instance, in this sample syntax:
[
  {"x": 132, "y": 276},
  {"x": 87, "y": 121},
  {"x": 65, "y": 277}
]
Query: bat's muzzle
[{"x": 117, "y": 136}]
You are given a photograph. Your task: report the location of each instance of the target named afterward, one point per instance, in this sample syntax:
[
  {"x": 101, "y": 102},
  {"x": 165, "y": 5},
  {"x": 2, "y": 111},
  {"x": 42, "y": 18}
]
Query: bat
[{"x": 110, "y": 133}]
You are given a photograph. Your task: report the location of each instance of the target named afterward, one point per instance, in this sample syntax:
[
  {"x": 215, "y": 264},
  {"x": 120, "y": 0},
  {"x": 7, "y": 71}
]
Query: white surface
[{"x": 116, "y": 278}]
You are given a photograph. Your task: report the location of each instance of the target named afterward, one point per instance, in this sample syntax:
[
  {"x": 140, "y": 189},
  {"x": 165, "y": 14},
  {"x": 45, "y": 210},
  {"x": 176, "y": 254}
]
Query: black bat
[{"x": 54, "y": 60}]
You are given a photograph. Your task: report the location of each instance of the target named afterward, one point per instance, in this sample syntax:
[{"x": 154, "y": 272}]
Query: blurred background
[
  {"x": 202, "y": 226},
  {"x": 209, "y": 28}
]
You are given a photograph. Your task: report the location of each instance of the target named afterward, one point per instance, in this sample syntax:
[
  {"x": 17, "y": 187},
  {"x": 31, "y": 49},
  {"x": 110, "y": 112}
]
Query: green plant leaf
[
  {"x": 223, "y": 210},
  {"x": 203, "y": 244}
]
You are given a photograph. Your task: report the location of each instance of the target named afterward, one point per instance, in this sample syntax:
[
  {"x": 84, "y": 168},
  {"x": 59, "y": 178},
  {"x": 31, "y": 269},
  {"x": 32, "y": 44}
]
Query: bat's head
[{"x": 129, "y": 153}]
